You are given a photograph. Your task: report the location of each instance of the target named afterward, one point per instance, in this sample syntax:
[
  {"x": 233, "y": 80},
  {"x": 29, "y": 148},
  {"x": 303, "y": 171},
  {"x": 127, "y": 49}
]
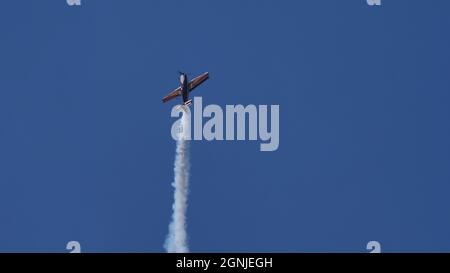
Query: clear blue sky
[{"x": 364, "y": 93}]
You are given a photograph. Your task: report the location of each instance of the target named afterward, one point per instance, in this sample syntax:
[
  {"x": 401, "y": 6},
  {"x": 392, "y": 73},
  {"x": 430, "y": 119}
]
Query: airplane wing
[
  {"x": 197, "y": 81},
  {"x": 175, "y": 93}
]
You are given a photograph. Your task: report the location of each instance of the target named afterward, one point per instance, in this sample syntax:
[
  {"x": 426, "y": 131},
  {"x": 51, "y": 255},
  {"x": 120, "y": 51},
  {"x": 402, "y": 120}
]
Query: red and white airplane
[{"x": 186, "y": 87}]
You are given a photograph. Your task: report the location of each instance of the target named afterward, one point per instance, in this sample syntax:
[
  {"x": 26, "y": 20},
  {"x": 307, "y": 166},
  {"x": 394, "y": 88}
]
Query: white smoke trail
[{"x": 177, "y": 238}]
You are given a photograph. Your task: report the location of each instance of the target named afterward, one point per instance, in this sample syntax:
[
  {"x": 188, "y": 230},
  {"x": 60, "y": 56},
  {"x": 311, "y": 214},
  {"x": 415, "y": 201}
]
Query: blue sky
[{"x": 85, "y": 146}]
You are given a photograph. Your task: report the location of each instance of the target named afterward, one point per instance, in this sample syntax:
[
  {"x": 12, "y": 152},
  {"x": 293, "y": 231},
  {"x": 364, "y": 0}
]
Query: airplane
[{"x": 186, "y": 87}]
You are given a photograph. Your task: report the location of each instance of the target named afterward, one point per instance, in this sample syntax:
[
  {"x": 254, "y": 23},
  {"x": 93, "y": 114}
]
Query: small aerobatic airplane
[{"x": 186, "y": 87}]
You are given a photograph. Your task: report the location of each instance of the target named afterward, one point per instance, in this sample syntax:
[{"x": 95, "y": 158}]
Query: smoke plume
[{"x": 177, "y": 238}]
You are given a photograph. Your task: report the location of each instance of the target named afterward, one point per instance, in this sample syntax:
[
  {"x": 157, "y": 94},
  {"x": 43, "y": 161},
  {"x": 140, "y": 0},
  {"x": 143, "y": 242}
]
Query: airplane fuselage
[{"x": 185, "y": 88}]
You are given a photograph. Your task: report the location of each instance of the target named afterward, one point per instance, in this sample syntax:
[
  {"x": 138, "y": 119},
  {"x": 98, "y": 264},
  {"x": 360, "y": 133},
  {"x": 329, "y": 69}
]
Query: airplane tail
[{"x": 186, "y": 104}]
